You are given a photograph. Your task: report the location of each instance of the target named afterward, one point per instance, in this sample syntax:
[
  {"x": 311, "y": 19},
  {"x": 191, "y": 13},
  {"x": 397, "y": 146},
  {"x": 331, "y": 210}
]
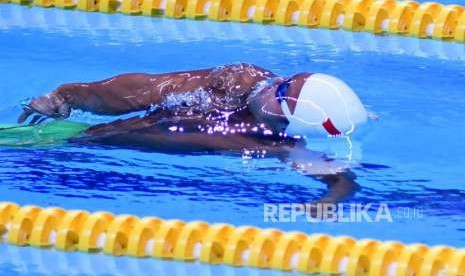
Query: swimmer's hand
[{"x": 51, "y": 105}]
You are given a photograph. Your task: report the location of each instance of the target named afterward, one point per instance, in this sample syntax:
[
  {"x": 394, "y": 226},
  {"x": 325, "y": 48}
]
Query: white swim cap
[{"x": 326, "y": 106}]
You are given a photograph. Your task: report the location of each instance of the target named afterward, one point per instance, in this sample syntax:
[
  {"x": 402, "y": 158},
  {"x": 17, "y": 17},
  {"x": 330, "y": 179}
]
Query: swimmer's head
[{"x": 314, "y": 105}]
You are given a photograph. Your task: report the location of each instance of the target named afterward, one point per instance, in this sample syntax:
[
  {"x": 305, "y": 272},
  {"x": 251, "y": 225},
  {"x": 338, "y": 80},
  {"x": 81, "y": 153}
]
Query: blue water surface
[{"x": 412, "y": 158}]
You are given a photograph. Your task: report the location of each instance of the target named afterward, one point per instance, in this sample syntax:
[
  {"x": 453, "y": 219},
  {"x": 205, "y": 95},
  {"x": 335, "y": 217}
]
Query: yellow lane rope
[
  {"x": 427, "y": 20},
  {"x": 78, "y": 230}
]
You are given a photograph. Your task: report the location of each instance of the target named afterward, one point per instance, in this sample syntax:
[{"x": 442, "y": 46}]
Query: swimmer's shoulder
[{"x": 247, "y": 68}]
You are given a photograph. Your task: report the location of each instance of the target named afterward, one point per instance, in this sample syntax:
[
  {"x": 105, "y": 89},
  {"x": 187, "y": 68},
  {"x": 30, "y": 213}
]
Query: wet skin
[{"x": 224, "y": 109}]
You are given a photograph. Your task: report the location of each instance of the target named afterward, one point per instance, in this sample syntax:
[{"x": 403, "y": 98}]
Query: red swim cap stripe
[{"x": 330, "y": 128}]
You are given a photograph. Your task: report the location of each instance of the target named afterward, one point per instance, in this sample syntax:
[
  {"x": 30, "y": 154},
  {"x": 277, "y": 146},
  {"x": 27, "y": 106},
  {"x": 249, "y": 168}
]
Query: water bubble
[{"x": 267, "y": 132}]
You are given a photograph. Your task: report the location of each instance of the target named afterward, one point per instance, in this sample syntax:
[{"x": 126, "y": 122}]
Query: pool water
[{"x": 411, "y": 159}]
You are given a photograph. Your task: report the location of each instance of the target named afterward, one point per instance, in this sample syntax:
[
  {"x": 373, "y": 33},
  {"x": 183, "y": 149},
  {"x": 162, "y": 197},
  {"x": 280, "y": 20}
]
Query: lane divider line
[
  {"x": 103, "y": 232},
  {"x": 426, "y": 20}
]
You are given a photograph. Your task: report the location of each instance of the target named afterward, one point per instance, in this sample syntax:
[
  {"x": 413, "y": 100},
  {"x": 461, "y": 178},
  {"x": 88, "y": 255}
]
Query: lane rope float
[
  {"x": 103, "y": 232},
  {"x": 364, "y": 42},
  {"x": 425, "y": 20}
]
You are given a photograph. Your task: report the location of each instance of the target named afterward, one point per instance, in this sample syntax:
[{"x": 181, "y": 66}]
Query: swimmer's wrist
[{"x": 70, "y": 92}]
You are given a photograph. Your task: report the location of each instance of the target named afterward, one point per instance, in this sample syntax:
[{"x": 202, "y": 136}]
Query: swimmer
[{"x": 239, "y": 108}]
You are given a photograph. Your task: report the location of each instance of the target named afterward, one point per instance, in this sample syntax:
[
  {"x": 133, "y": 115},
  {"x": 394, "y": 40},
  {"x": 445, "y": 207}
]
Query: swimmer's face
[
  {"x": 266, "y": 107},
  {"x": 295, "y": 84}
]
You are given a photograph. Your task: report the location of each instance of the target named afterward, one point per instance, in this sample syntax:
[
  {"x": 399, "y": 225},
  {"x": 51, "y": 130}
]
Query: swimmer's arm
[
  {"x": 340, "y": 183},
  {"x": 114, "y": 96},
  {"x": 129, "y": 92},
  {"x": 341, "y": 186},
  {"x": 138, "y": 92}
]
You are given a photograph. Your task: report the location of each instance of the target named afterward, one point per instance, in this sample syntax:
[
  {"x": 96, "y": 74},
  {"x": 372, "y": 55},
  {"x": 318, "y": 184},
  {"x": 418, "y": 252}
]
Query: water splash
[{"x": 189, "y": 103}]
